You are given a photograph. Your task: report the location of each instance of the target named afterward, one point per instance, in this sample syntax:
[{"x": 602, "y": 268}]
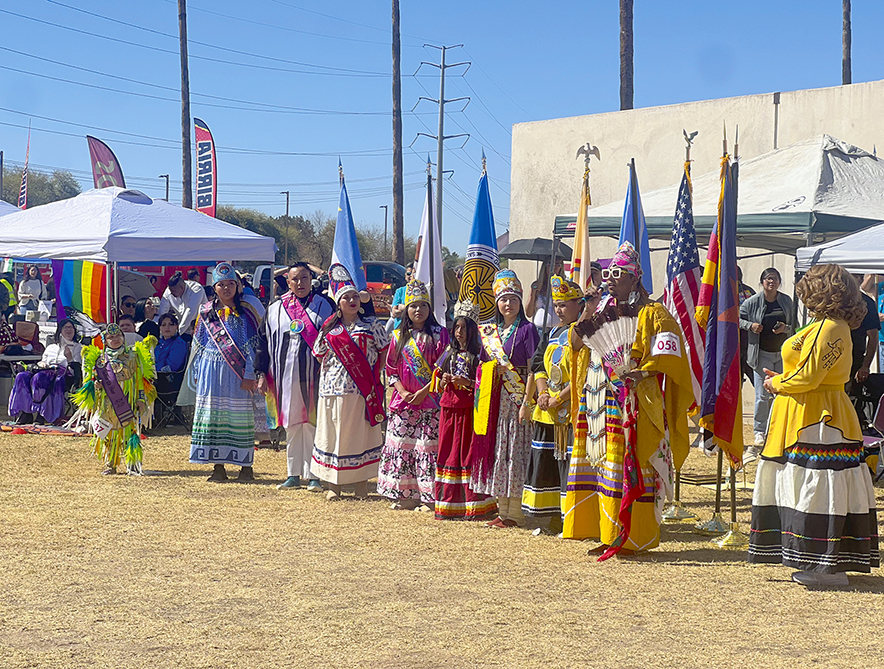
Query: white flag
[{"x": 436, "y": 283}]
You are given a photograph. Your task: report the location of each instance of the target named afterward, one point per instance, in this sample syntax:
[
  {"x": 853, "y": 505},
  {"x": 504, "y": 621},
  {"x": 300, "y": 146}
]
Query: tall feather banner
[
  {"x": 482, "y": 261},
  {"x": 206, "y": 169}
]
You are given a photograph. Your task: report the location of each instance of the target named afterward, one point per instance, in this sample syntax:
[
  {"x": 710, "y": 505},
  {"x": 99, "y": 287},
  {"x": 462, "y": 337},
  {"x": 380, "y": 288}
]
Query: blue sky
[{"x": 531, "y": 61}]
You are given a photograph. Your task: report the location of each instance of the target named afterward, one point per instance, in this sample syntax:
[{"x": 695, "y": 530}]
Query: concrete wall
[{"x": 545, "y": 179}]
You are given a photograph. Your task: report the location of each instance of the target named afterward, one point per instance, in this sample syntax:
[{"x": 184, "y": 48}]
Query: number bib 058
[{"x": 666, "y": 343}]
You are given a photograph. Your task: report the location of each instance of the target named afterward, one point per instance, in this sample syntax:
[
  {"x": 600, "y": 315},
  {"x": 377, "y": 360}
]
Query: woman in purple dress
[{"x": 501, "y": 455}]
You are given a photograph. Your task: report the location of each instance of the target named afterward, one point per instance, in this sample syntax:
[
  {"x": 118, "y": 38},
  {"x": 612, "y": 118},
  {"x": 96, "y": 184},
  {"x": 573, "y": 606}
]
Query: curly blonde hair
[{"x": 830, "y": 291}]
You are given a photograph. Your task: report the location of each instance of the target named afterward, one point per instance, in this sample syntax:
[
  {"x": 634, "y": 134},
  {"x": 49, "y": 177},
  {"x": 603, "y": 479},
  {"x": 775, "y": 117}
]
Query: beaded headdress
[
  {"x": 340, "y": 282},
  {"x": 627, "y": 259},
  {"x": 564, "y": 290},
  {"x": 223, "y": 272},
  {"x": 416, "y": 291},
  {"x": 507, "y": 283},
  {"x": 467, "y": 309}
]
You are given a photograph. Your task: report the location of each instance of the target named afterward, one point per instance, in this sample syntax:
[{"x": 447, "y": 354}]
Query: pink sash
[
  {"x": 366, "y": 378},
  {"x": 219, "y": 334},
  {"x": 301, "y": 323}
]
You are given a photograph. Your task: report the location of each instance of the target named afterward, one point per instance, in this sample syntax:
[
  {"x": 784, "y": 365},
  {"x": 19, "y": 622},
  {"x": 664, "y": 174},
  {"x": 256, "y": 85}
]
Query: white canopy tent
[
  {"x": 6, "y": 208},
  {"x": 859, "y": 253},
  {"x": 813, "y": 189},
  {"x": 118, "y": 226},
  {"x": 110, "y": 225}
]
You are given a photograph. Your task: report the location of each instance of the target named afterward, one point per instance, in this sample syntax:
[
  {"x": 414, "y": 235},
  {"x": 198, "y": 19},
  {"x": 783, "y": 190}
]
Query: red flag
[
  {"x": 206, "y": 172},
  {"x": 106, "y": 170}
]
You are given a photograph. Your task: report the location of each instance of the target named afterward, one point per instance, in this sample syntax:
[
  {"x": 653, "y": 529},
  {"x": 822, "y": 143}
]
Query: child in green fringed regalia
[{"x": 117, "y": 397}]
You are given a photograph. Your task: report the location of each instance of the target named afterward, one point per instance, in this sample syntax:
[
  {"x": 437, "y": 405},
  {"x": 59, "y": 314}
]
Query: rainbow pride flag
[{"x": 80, "y": 285}]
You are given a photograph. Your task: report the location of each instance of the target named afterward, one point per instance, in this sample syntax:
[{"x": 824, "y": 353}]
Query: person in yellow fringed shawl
[
  {"x": 621, "y": 475},
  {"x": 117, "y": 397}
]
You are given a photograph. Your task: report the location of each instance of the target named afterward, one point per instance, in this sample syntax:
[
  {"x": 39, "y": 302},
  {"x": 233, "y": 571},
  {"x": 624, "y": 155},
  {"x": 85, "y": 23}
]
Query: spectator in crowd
[
  {"x": 865, "y": 346},
  {"x": 540, "y": 302},
  {"x": 41, "y": 391},
  {"x": 145, "y": 312},
  {"x": 398, "y": 304},
  {"x": 184, "y": 300},
  {"x": 12, "y": 302},
  {"x": 31, "y": 290},
  {"x": 171, "y": 350},
  {"x": 127, "y": 325},
  {"x": 769, "y": 318},
  {"x": 127, "y": 305},
  {"x": 744, "y": 292}
]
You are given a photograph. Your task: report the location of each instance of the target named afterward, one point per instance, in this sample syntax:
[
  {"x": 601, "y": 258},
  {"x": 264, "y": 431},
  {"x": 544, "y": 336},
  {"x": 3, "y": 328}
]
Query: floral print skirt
[{"x": 408, "y": 460}]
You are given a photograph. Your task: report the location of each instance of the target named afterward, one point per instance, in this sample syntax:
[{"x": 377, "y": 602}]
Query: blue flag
[
  {"x": 482, "y": 261},
  {"x": 634, "y": 220},
  {"x": 346, "y": 248}
]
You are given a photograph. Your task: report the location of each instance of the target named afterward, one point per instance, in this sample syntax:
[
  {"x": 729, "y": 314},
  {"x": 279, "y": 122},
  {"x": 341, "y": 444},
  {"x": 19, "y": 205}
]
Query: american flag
[
  {"x": 23, "y": 190},
  {"x": 683, "y": 281}
]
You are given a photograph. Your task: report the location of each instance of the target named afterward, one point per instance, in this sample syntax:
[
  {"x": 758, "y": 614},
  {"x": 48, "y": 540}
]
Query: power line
[
  {"x": 192, "y": 7},
  {"x": 290, "y": 110},
  {"x": 214, "y": 46},
  {"x": 170, "y": 88},
  {"x": 500, "y": 88},
  {"x": 193, "y": 56},
  {"x": 231, "y": 150}
]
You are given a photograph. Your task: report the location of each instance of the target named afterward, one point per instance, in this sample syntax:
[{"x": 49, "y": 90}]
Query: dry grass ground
[{"x": 169, "y": 570}]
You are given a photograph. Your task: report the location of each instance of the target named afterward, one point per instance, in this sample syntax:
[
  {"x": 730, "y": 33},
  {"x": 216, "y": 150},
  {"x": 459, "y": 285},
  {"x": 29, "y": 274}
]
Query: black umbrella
[{"x": 535, "y": 249}]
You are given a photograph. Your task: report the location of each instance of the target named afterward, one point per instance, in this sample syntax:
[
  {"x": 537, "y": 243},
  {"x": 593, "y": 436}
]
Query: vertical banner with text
[{"x": 206, "y": 169}]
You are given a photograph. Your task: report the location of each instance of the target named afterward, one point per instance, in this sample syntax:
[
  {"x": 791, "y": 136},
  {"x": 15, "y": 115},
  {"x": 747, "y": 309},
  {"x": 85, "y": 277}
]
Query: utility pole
[
  {"x": 398, "y": 187},
  {"x": 627, "y": 71},
  {"x": 384, "y": 207},
  {"x": 186, "y": 158},
  {"x": 286, "y": 193},
  {"x": 846, "y": 39},
  {"x": 166, "y": 177},
  {"x": 440, "y": 136}
]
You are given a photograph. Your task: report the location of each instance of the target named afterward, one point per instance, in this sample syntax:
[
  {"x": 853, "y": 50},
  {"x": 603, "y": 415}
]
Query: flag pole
[
  {"x": 431, "y": 231},
  {"x": 716, "y": 526},
  {"x": 734, "y": 539},
  {"x": 676, "y": 511}
]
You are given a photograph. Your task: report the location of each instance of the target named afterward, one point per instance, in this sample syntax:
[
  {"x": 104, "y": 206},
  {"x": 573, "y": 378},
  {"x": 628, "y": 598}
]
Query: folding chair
[{"x": 166, "y": 412}]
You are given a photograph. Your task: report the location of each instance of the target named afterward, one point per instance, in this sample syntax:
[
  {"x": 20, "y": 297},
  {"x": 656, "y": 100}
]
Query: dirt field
[{"x": 169, "y": 570}]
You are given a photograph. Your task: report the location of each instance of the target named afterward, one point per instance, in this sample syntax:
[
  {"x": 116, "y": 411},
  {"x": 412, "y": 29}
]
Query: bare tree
[
  {"x": 627, "y": 75},
  {"x": 398, "y": 211},
  {"x": 845, "y": 42}
]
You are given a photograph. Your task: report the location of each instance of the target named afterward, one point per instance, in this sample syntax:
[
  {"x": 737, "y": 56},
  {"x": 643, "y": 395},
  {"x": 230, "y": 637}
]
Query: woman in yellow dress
[{"x": 814, "y": 504}]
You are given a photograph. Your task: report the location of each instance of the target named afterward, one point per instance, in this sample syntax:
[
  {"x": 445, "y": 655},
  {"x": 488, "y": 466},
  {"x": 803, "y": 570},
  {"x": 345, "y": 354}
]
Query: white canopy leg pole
[
  {"x": 116, "y": 290},
  {"x": 108, "y": 293}
]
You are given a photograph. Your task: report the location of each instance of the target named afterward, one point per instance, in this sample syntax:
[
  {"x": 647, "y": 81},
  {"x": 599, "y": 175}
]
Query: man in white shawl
[{"x": 288, "y": 371}]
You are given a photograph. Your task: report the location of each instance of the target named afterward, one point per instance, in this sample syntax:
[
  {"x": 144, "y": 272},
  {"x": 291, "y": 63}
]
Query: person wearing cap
[
  {"x": 502, "y": 447},
  {"x": 547, "y": 474},
  {"x": 289, "y": 372},
  {"x": 646, "y": 433},
  {"x": 351, "y": 398},
  {"x": 222, "y": 373},
  {"x": 117, "y": 398},
  {"x": 407, "y": 471}
]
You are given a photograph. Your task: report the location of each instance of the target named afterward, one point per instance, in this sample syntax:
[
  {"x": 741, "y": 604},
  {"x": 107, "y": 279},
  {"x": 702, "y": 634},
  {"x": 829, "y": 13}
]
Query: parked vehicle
[{"x": 383, "y": 278}]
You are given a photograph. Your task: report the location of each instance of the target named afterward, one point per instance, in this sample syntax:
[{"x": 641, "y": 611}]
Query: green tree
[{"x": 42, "y": 187}]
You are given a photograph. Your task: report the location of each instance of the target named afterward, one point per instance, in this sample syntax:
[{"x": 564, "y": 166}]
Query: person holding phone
[{"x": 769, "y": 318}]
